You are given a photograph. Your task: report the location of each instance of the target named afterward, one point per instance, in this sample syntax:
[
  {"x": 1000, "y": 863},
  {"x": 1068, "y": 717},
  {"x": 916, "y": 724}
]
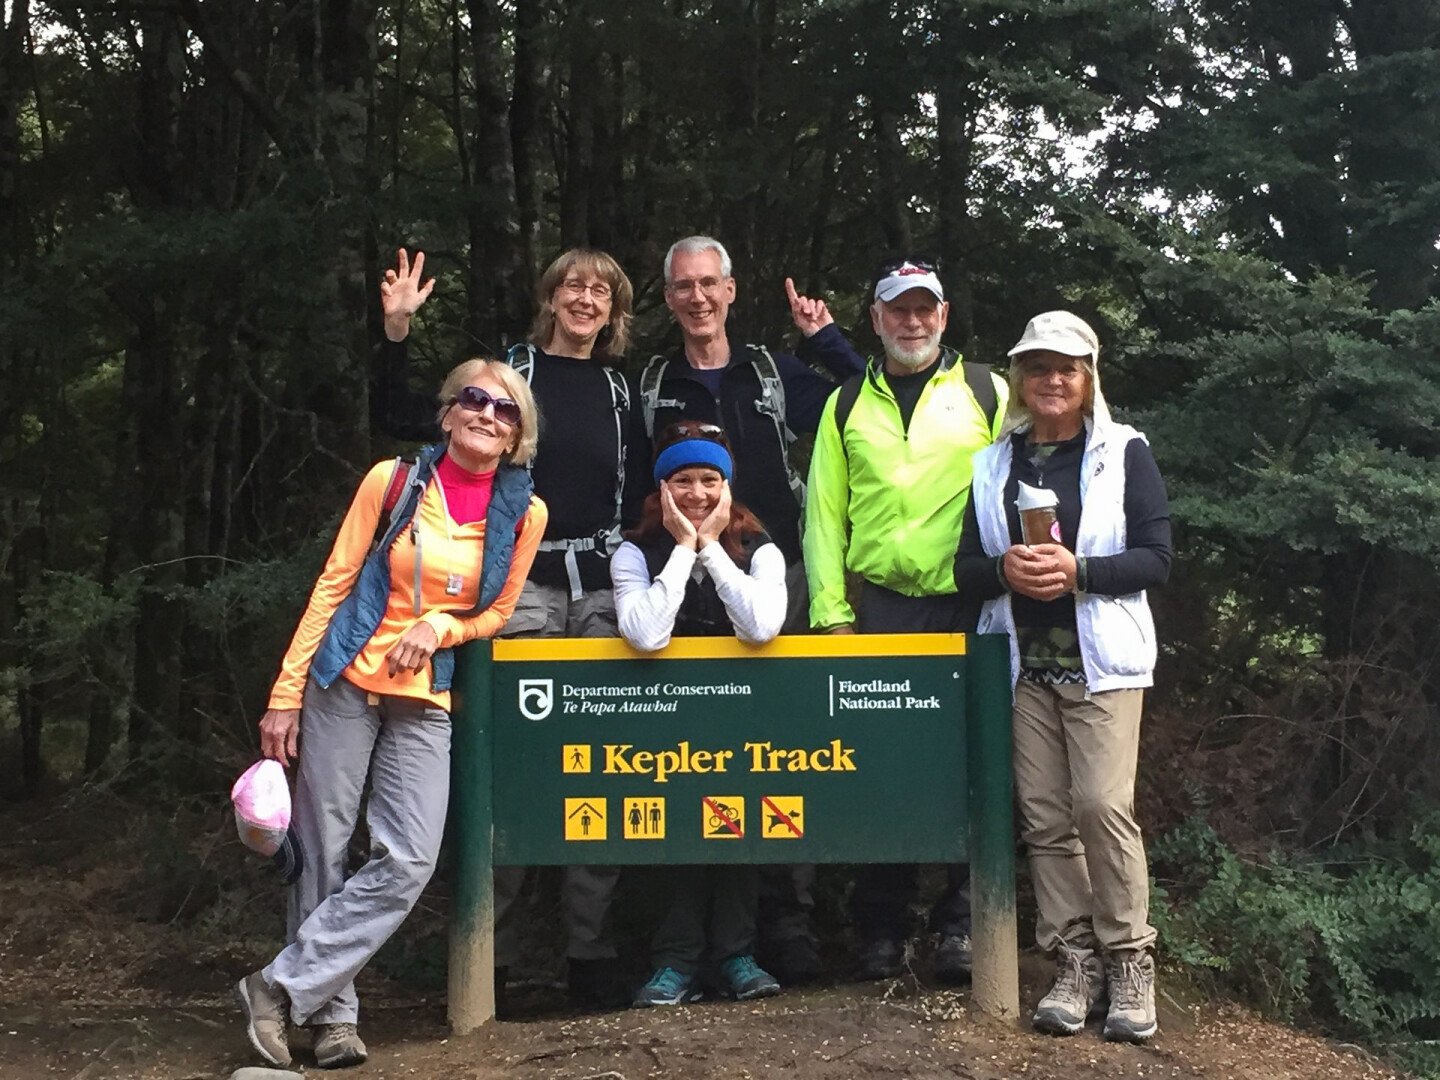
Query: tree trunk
[
  {"x": 955, "y": 108},
  {"x": 527, "y": 136},
  {"x": 579, "y": 175},
  {"x": 499, "y": 299}
]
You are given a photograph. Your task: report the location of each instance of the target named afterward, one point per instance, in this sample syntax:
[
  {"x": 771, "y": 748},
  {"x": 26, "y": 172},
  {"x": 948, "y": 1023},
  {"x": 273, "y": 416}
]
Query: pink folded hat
[{"x": 261, "y": 799}]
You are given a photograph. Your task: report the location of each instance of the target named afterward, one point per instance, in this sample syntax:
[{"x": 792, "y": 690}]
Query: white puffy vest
[{"x": 1117, "y": 633}]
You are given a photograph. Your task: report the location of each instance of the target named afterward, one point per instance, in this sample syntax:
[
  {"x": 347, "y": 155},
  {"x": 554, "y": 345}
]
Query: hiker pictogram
[
  {"x": 644, "y": 819},
  {"x": 585, "y": 819},
  {"x": 576, "y": 758},
  {"x": 722, "y": 817},
  {"x": 782, "y": 817}
]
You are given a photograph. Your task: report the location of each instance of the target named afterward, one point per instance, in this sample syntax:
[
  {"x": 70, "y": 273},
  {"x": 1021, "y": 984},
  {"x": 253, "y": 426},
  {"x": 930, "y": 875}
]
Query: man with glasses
[
  {"x": 889, "y": 480},
  {"x": 761, "y": 399}
]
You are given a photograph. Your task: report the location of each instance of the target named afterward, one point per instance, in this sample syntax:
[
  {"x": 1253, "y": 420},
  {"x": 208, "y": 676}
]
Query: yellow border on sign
[{"x": 728, "y": 648}]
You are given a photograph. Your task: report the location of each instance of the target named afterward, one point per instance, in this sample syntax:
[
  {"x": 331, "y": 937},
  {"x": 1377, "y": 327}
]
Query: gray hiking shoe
[
  {"x": 1131, "y": 974},
  {"x": 338, "y": 1045},
  {"x": 265, "y": 1016},
  {"x": 1079, "y": 988}
]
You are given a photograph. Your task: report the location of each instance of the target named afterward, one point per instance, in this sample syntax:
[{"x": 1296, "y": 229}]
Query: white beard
[{"x": 915, "y": 358}]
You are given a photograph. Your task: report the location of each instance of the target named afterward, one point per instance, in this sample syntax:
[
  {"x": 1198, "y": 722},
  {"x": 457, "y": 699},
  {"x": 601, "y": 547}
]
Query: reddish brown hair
[{"x": 744, "y": 525}]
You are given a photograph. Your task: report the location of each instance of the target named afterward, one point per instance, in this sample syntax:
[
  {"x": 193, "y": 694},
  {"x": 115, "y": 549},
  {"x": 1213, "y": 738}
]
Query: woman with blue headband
[{"x": 699, "y": 564}]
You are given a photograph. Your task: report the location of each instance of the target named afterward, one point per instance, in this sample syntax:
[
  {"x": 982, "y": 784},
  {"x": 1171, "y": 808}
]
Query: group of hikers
[{"x": 567, "y": 500}]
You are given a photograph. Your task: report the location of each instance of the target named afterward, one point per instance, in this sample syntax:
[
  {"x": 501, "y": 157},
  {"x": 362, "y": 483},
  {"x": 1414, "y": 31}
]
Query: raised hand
[
  {"x": 810, "y": 315},
  {"x": 402, "y": 293},
  {"x": 715, "y": 523},
  {"x": 676, "y": 523}
]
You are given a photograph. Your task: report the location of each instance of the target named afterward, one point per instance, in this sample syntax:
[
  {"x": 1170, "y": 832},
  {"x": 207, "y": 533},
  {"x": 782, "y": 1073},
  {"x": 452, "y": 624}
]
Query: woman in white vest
[{"x": 1082, "y": 650}]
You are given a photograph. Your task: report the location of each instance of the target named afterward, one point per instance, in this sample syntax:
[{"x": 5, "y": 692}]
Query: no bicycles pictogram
[{"x": 723, "y": 817}]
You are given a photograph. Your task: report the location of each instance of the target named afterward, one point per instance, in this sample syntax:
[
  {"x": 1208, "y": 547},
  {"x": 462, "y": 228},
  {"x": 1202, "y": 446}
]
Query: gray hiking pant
[
  {"x": 334, "y": 925},
  {"x": 548, "y": 611}
]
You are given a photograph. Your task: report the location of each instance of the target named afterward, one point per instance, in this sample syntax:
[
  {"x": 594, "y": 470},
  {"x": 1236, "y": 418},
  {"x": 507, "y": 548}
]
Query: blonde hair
[
  {"x": 516, "y": 388},
  {"x": 622, "y": 299}
]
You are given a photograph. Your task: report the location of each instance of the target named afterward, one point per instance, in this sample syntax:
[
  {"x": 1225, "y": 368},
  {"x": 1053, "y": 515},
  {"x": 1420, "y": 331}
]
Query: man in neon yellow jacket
[{"x": 889, "y": 480}]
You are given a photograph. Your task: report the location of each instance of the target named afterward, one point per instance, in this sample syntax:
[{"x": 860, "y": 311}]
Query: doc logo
[{"x": 536, "y": 698}]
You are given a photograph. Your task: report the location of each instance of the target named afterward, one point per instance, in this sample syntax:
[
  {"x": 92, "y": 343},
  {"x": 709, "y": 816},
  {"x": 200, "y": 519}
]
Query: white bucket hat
[{"x": 1061, "y": 332}]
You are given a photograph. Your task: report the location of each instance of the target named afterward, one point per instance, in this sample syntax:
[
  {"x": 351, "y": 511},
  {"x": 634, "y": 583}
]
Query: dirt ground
[{"x": 120, "y": 939}]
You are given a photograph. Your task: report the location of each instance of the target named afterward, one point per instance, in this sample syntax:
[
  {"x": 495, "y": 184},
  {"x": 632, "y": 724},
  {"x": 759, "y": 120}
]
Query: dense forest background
[{"x": 197, "y": 198}]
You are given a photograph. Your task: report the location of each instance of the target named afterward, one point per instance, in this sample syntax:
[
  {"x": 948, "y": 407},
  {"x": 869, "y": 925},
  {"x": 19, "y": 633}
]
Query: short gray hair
[{"x": 693, "y": 245}]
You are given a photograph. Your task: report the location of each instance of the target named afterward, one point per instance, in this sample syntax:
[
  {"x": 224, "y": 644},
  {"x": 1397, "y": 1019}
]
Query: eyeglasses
[
  {"x": 687, "y": 288},
  {"x": 597, "y": 289},
  {"x": 889, "y": 266},
  {"x": 476, "y": 399}
]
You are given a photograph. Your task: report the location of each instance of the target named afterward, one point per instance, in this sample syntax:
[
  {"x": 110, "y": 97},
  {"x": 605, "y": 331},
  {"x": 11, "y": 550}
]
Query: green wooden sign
[
  {"x": 795, "y": 753},
  {"x": 824, "y": 748}
]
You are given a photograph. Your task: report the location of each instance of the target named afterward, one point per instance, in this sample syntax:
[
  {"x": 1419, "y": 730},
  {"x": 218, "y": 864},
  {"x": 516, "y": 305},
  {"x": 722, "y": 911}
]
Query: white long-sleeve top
[{"x": 646, "y": 609}]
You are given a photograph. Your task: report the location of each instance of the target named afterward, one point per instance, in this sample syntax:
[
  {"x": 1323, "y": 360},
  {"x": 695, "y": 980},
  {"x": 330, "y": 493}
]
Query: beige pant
[{"x": 1075, "y": 782}]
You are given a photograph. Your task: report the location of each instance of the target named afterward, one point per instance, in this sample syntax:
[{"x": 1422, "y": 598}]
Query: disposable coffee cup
[{"x": 1039, "y": 515}]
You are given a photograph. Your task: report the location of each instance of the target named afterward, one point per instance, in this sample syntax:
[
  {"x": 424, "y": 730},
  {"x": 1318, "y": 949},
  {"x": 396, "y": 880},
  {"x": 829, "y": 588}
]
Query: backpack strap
[
  {"x": 772, "y": 404},
  {"x": 521, "y": 357},
  {"x": 620, "y": 399},
  {"x": 650, "y": 391},
  {"x": 400, "y": 476},
  {"x": 845, "y": 399},
  {"x": 982, "y": 385}
]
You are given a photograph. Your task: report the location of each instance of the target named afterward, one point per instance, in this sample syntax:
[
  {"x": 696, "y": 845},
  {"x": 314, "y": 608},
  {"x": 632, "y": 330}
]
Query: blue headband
[{"x": 689, "y": 452}]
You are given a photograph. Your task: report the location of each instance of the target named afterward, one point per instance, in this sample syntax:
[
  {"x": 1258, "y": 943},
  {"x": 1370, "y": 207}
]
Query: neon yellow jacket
[{"x": 888, "y": 504}]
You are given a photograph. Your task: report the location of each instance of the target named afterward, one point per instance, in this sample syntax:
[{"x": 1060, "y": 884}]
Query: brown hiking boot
[
  {"x": 1079, "y": 987},
  {"x": 1131, "y": 973}
]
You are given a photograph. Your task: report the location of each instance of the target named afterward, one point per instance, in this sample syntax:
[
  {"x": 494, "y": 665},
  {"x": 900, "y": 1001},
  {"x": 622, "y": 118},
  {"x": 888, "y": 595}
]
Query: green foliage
[{"x": 1351, "y": 941}]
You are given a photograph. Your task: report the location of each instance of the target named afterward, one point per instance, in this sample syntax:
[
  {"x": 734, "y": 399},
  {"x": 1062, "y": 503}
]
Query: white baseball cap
[
  {"x": 1058, "y": 331},
  {"x": 906, "y": 276}
]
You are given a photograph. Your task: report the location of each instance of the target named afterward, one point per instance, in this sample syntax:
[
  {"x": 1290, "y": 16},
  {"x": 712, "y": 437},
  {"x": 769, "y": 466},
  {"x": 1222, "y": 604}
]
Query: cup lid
[{"x": 1033, "y": 498}]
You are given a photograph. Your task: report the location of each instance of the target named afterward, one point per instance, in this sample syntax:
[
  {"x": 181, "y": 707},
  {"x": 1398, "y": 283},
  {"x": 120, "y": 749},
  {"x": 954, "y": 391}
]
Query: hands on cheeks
[
  {"x": 1041, "y": 572},
  {"x": 716, "y": 521},
  {"x": 676, "y": 523},
  {"x": 280, "y": 735},
  {"x": 810, "y": 315}
]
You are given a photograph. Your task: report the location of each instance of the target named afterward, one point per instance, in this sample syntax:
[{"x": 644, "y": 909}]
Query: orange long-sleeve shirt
[{"x": 447, "y": 549}]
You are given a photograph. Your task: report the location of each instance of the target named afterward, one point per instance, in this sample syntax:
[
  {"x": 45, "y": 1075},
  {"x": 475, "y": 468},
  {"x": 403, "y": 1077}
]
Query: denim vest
[{"x": 359, "y": 615}]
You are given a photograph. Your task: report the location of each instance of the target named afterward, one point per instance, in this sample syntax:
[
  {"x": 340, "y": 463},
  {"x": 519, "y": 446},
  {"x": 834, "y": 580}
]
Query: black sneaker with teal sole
[
  {"x": 667, "y": 987},
  {"x": 745, "y": 980}
]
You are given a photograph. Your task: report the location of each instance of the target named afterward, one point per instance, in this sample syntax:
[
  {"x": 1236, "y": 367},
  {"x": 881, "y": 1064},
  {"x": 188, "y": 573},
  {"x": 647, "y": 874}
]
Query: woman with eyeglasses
[
  {"x": 699, "y": 564},
  {"x": 584, "y": 472},
  {"x": 429, "y": 556}
]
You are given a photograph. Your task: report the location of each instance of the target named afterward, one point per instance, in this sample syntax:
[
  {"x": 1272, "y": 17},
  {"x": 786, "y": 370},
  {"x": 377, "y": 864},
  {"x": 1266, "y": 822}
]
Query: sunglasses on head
[
  {"x": 690, "y": 429},
  {"x": 476, "y": 398},
  {"x": 889, "y": 266}
]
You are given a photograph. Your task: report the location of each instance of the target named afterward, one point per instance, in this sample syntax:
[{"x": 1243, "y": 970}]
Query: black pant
[
  {"x": 707, "y": 905},
  {"x": 884, "y": 892}
]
